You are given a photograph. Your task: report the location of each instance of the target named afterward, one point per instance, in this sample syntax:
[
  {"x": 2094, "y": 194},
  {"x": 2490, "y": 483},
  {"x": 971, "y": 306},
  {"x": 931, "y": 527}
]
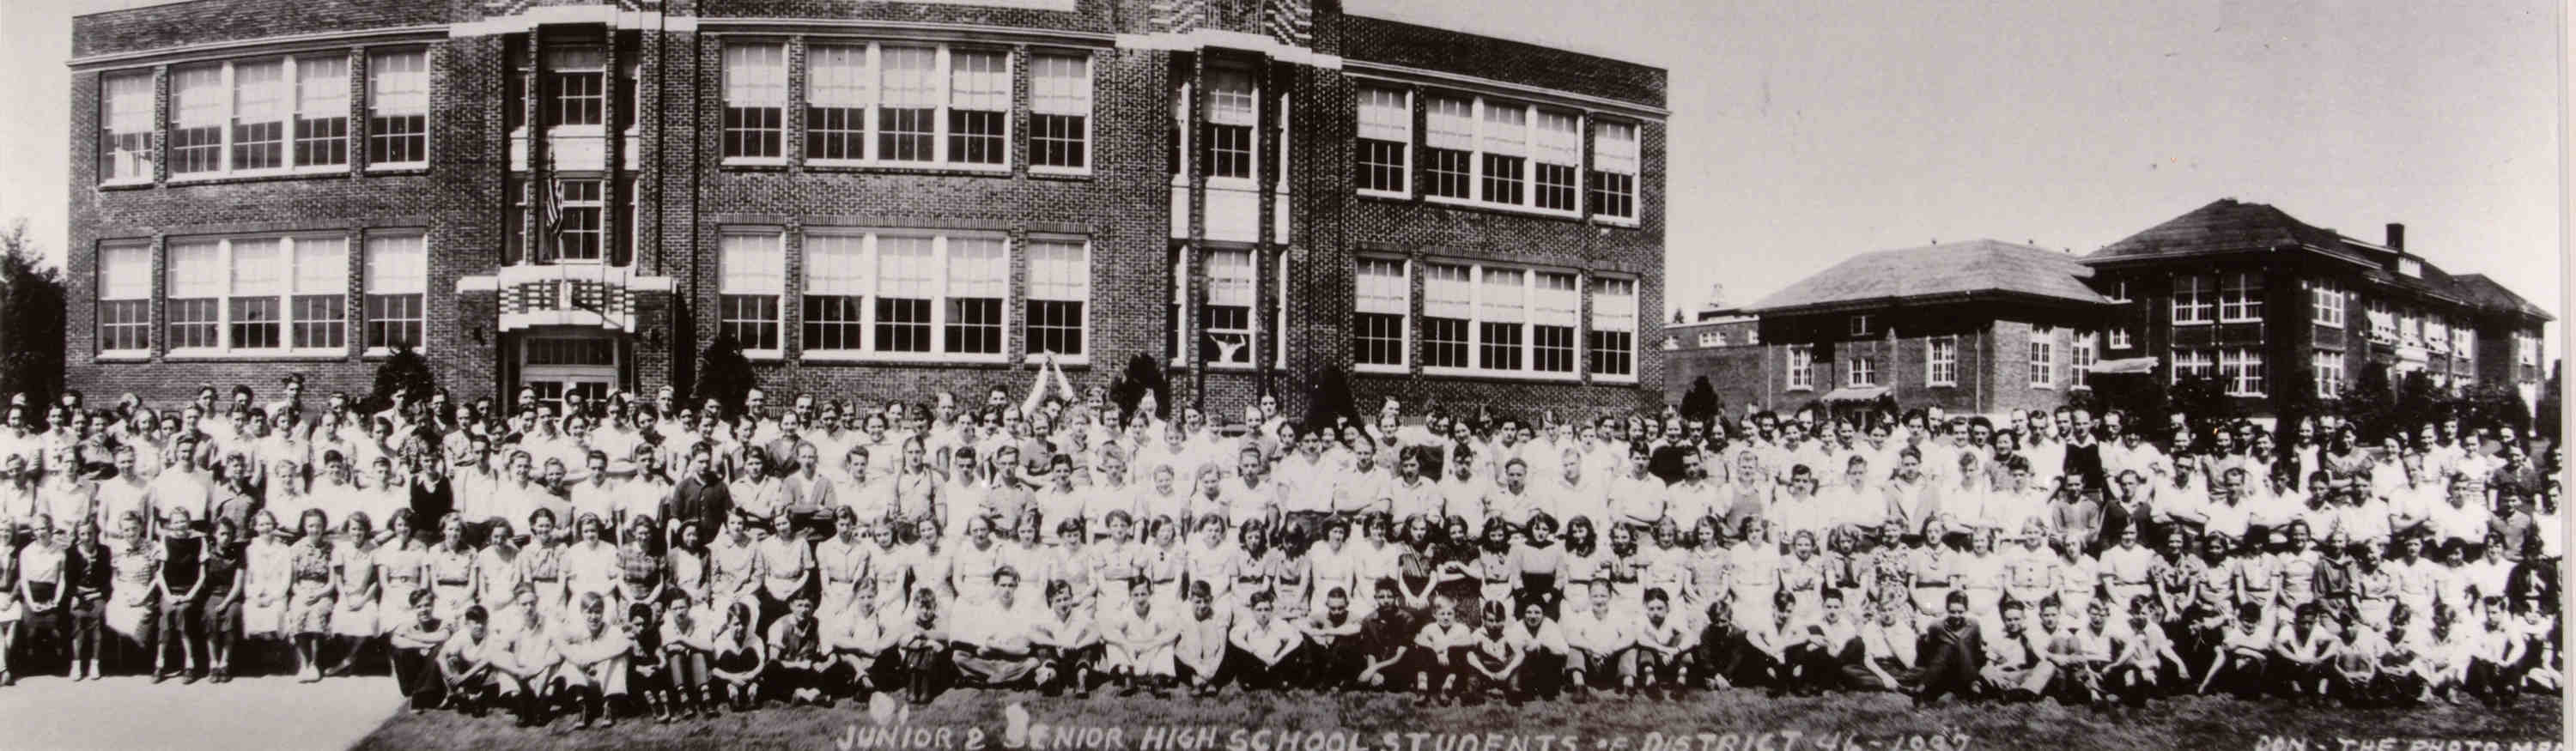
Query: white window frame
[
  {"x": 2327, "y": 302},
  {"x": 120, "y": 103},
  {"x": 2043, "y": 357},
  {"x": 1252, "y": 143},
  {"x": 872, "y": 99},
  {"x": 2240, "y": 297},
  {"x": 743, "y": 87},
  {"x": 116, "y": 286},
  {"x": 1940, "y": 367},
  {"x": 1278, "y": 332},
  {"x": 726, "y": 281},
  {"x": 1395, "y": 126},
  {"x": 2188, "y": 362},
  {"x": 1477, "y": 304},
  {"x": 290, "y": 103},
  {"x": 1486, "y": 131},
  {"x": 1802, "y": 367},
  {"x": 1860, "y": 371},
  {"x": 1613, "y": 318},
  {"x": 880, "y": 285},
  {"x": 1383, "y": 298},
  {"x": 2526, "y": 348},
  {"x": 2119, "y": 338},
  {"x": 1617, "y": 156},
  {"x": 1569, "y": 317},
  {"x": 2241, "y": 371},
  {"x": 2195, "y": 299},
  {"x": 1251, "y": 305},
  {"x": 1076, "y": 289},
  {"x": 835, "y": 87},
  {"x": 2084, "y": 349},
  {"x": 1045, "y": 98},
  {"x": 2328, "y": 366},
  {"x": 2383, "y": 320},
  {"x": 553, "y": 244},
  {"x": 379, "y": 279},
  {"x": 390, "y": 98},
  {"x": 286, "y": 349}
]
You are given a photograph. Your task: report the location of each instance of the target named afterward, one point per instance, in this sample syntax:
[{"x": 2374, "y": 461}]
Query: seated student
[
  {"x": 2014, "y": 669},
  {"x": 648, "y": 668},
  {"x": 1831, "y": 652},
  {"x": 1542, "y": 650},
  {"x": 2140, "y": 655},
  {"x": 524, "y": 660},
  {"x": 2073, "y": 671},
  {"x": 685, "y": 632},
  {"x": 1139, "y": 642},
  {"x": 1385, "y": 640},
  {"x": 1333, "y": 651},
  {"x": 1660, "y": 659},
  {"x": 1068, "y": 646},
  {"x": 1493, "y": 662},
  {"x": 2300, "y": 651},
  {"x": 2400, "y": 676},
  {"x": 1954, "y": 651},
  {"x": 593, "y": 662},
  {"x": 2539, "y": 634},
  {"x": 923, "y": 643},
  {"x": 1889, "y": 648},
  {"x": 736, "y": 656},
  {"x": 2492, "y": 670},
  {"x": 1440, "y": 654},
  {"x": 464, "y": 664},
  {"x": 1202, "y": 644},
  {"x": 1719, "y": 653},
  {"x": 1596, "y": 638},
  {"x": 414, "y": 644},
  {"x": 852, "y": 647},
  {"x": 994, "y": 646},
  {"x": 2243, "y": 655},
  {"x": 796, "y": 656},
  {"x": 2353, "y": 678},
  {"x": 1266, "y": 648},
  {"x": 1764, "y": 659}
]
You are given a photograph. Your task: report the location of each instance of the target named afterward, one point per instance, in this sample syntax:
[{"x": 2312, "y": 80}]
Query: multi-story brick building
[
  {"x": 876, "y": 199},
  {"x": 2245, "y": 294}
]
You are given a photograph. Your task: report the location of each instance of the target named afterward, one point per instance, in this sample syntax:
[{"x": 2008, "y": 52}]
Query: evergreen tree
[
  {"x": 1331, "y": 399},
  {"x": 1143, "y": 376},
  {"x": 405, "y": 371},
  {"x": 1700, "y": 403},
  {"x": 2370, "y": 403},
  {"x": 724, "y": 374},
  {"x": 31, "y": 319},
  {"x": 2545, "y": 417}
]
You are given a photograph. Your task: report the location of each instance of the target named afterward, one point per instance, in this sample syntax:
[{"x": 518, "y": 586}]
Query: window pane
[{"x": 910, "y": 92}]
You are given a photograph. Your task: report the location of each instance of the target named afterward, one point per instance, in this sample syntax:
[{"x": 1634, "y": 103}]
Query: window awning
[
  {"x": 2129, "y": 365},
  {"x": 1855, "y": 393}
]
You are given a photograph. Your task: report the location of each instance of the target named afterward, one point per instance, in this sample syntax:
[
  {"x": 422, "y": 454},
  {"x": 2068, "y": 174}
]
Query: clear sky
[{"x": 1804, "y": 132}]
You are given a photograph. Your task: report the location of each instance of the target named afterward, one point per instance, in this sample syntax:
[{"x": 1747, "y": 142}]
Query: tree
[
  {"x": 2296, "y": 398},
  {"x": 1700, "y": 403},
  {"x": 724, "y": 374},
  {"x": 1143, "y": 376},
  {"x": 2495, "y": 404},
  {"x": 2551, "y": 400},
  {"x": 2204, "y": 401},
  {"x": 405, "y": 371},
  {"x": 2369, "y": 404},
  {"x": 2142, "y": 395},
  {"x": 1331, "y": 399},
  {"x": 31, "y": 305},
  {"x": 2418, "y": 402}
]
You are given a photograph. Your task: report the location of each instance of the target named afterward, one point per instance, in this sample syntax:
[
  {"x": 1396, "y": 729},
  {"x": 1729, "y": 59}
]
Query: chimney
[{"x": 2397, "y": 236}]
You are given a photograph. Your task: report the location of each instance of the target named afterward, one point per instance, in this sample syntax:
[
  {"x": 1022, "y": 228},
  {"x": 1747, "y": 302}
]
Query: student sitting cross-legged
[
  {"x": 1334, "y": 653},
  {"x": 1440, "y": 653},
  {"x": 1068, "y": 646},
  {"x": 1385, "y": 642},
  {"x": 1202, "y": 644},
  {"x": 1266, "y": 649},
  {"x": 1596, "y": 639},
  {"x": 1659, "y": 661},
  {"x": 992, "y": 645},
  {"x": 1543, "y": 653}
]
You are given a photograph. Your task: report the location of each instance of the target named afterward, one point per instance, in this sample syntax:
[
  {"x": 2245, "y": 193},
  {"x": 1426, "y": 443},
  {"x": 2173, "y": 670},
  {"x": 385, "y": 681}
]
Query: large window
[
  {"x": 1503, "y": 142},
  {"x": 1233, "y": 109},
  {"x": 1860, "y": 371},
  {"x": 258, "y": 294},
  {"x": 1614, "y": 170},
  {"x": 836, "y": 290},
  {"x": 2327, "y": 298},
  {"x": 2085, "y": 349},
  {"x": 397, "y": 286},
  {"x": 1448, "y": 306},
  {"x": 1802, "y": 367},
  {"x": 1385, "y": 140},
  {"x": 2043, "y": 357},
  {"x": 2194, "y": 363},
  {"x": 2194, "y": 299},
  {"x": 837, "y": 83},
  {"x": 2328, "y": 365},
  {"x": 1060, "y": 112},
  {"x": 909, "y": 91},
  {"x": 578, "y": 231},
  {"x": 576, "y": 85},
  {"x": 1502, "y": 309},
  {"x": 1941, "y": 360},
  {"x": 125, "y": 127},
  {"x": 918, "y": 296},
  {"x": 2240, "y": 297},
  {"x": 751, "y": 278},
  {"x": 1614, "y": 328},
  {"x": 2526, "y": 348},
  {"x": 1228, "y": 312},
  {"x": 1449, "y": 147},
  {"x": 1059, "y": 297},
  {"x": 1381, "y": 301},
  {"x": 979, "y": 107},
  {"x": 755, "y": 101},
  {"x": 1556, "y": 160},
  {"x": 254, "y": 117},
  {"x": 1555, "y": 304},
  {"x": 2240, "y": 370},
  {"x": 124, "y": 299},
  {"x": 322, "y": 111}
]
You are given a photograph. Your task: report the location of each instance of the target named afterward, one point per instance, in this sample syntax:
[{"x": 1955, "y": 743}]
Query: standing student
[
  {"x": 181, "y": 582},
  {"x": 311, "y": 594},
  {"x": 225, "y": 582}
]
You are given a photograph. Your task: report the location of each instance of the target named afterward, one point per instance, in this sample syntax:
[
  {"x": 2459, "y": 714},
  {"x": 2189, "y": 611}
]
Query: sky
[{"x": 1804, "y": 132}]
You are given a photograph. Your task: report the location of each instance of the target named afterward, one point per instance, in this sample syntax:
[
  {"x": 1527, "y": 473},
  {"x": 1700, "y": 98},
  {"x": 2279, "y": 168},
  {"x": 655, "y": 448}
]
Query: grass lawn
[{"x": 1872, "y": 722}]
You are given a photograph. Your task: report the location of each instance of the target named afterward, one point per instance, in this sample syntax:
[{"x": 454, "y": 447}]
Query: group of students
[{"x": 538, "y": 559}]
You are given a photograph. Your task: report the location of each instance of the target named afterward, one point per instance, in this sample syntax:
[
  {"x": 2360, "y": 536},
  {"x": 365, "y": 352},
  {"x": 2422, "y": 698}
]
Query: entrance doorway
[{"x": 553, "y": 366}]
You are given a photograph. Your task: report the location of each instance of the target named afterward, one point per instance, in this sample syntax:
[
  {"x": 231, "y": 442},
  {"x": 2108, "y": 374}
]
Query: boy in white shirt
[
  {"x": 1657, "y": 661},
  {"x": 1139, "y": 642},
  {"x": 1595, "y": 639}
]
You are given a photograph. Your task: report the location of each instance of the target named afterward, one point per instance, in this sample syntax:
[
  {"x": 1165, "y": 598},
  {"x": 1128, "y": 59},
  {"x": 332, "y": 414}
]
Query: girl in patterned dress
[
  {"x": 640, "y": 576},
  {"x": 451, "y": 571},
  {"x": 310, "y": 593},
  {"x": 541, "y": 565}
]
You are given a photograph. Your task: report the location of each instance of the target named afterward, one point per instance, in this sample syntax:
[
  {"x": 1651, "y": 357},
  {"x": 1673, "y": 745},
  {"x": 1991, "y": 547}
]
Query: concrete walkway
[{"x": 247, "y": 713}]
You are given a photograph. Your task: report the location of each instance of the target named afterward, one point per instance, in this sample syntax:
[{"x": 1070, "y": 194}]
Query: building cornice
[
  {"x": 922, "y": 30},
  {"x": 1419, "y": 76},
  {"x": 324, "y": 40}
]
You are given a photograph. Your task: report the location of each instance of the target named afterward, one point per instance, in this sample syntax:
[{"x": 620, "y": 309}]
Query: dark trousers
[
  {"x": 182, "y": 625},
  {"x": 418, "y": 678},
  {"x": 1948, "y": 670},
  {"x": 1256, "y": 675}
]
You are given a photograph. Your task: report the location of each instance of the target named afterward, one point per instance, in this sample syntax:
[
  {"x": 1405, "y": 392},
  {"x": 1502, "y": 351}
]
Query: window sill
[
  {"x": 1802, "y": 388},
  {"x": 220, "y": 178},
  {"x": 399, "y": 168},
  {"x": 1242, "y": 184},
  {"x": 127, "y": 183},
  {"x": 1613, "y": 221},
  {"x": 240, "y": 355},
  {"x": 1060, "y": 173},
  {"x": 1500, "y": 375},
  {"x": 1622, "y": 380},
  {"x": 1386, "y": 194},
  {"x": 2043, "y": 387},
  {"x": 122, "y": 356},
  {"x": 1381, "y": 369},
  {"x": 2240, "y": 320},
  {"x": 1942, "y": 384},
  {"x": 2191, "y": 323},
  {"x": 380, "y": 353},
  {"x": 764, "y": 355},
  {"x": 1061, "y": 361},
  {"x": 1503, "y": 207},
  {"x": 1234, "y": 367},
  {"x": 767, "y": 162}
]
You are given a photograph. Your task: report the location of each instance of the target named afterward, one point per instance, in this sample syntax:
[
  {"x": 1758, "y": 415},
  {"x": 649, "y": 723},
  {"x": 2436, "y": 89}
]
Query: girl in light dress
[
  {"x": 1757, "y": 574},
  {"x": 312, "y": 593},
  {"x": 132, "y": 598},
  {"x": 451, "y": 571},
  {"x": 354, "y": 615},
  {"x": 496, "y": 567},
  {"x": 402, "y": 567}
]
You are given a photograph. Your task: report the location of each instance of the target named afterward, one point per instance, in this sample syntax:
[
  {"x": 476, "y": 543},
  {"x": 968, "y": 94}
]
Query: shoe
[
  {"x": 187, "y": 678},
  {"x": 159, "y": 677}
]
